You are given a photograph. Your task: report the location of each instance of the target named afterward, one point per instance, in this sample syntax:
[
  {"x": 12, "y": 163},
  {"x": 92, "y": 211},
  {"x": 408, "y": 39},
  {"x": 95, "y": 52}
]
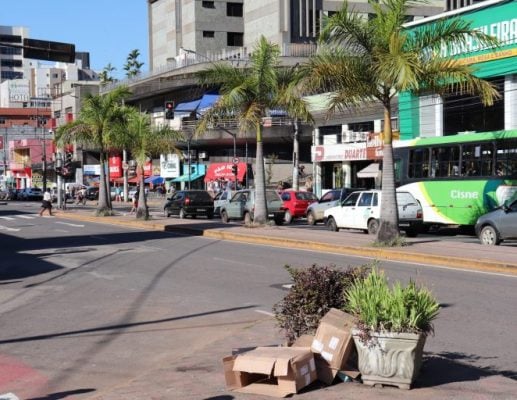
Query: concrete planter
[{"x": 391, "y": 359}]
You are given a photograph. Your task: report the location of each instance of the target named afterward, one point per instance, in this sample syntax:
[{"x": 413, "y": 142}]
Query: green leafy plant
[
  {"x": 315, "y": 290},
  {"x": 379, "y": 307}
]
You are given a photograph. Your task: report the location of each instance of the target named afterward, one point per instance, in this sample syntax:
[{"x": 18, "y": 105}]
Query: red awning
[
  {"x": 224, "y": 171},
  {"x": 121, "y": 180}
]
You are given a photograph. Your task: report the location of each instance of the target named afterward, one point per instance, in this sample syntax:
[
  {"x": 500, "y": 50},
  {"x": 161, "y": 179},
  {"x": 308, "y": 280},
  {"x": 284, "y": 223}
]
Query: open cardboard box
[
  {"x": 272, "y": 371},
  {"x": 332, "y": 345}
]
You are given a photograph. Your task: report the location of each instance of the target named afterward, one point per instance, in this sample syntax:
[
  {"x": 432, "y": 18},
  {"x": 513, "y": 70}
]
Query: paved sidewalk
[{"x": 200, "y": 376}]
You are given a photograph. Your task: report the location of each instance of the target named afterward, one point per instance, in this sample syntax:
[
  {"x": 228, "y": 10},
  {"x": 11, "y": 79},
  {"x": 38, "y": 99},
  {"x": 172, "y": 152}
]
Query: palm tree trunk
[
  {"x": 142, "y": 212},
  {"x": 102, "y": 206},
  {"x": 296, "y": 156},
  {"x": 260, "y": 213},
  {"x": 389, "y": 228}
]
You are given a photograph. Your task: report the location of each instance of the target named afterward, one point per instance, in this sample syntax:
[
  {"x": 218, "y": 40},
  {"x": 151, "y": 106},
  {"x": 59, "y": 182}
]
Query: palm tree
[
  {"x": 132, "y": 65},
  {"x": 106, "y": 75},
  {"x": 364, "y": 60},
  {"x": 247, "y": 94},
  {"x": 101, "y": 116},
  {"x": 143, "y": 141}
]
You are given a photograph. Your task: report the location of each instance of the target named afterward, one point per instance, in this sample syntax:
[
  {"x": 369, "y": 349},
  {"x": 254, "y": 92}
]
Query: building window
[
  {"x": 11, "y": 63},
  {"x": 10, "y": 51},
  {"x": 208, "y": 4},
  {"x": 10, "y": 38},
  {"x": 208, "y": 34},
  {"x": 235, "y": 39},
  {"x": 234, "y": 9}
]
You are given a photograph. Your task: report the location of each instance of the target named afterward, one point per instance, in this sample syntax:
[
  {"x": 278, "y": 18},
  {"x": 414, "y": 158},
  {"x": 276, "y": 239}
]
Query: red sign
[{"x": 115, "y": 166}]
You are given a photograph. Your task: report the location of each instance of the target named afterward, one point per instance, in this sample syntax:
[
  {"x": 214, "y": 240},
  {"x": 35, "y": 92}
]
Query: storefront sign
[
  {"x": 339, "y": 152},
  {"x": 169, "y": 166},
  {"x": 115, "y": 166},
  {"x": 91, "y": 169},
  {"x": 374, "y": 146}
]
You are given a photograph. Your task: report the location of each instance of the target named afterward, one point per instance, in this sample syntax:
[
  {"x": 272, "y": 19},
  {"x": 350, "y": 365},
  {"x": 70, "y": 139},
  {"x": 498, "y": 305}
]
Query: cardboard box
[
  {"x": 331, "y": 345},
  {"x": 271, "y": 371}
]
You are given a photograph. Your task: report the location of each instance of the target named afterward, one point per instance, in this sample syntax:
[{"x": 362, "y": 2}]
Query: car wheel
[
  {"x": 182, "y": 213},
  {"x": 311, "y": 218},
  {"x": 331, "y": 224},
  {"x": 279, "y": 220},
  {"x": 412, "y": 232},
  {"x": 247, "y": 219},
  {"x": 489, "y": 236},
  {"x": 288, "y": 218},
  {"x": 373, "y": 226},
  {"x": 224, "y": 217}
]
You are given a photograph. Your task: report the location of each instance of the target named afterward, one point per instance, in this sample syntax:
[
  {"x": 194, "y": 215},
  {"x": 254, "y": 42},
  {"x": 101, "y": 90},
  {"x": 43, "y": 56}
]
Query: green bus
[{"x": 457, "y": 178}]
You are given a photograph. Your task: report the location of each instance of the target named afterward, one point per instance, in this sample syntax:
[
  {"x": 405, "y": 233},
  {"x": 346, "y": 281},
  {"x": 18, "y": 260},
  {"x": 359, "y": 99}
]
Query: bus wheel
[{"x": 373, "y": 226}]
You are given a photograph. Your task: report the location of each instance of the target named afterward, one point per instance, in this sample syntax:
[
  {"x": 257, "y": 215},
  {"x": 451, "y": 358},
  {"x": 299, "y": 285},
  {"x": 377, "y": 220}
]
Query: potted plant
[{"x": 393, "y": 323}]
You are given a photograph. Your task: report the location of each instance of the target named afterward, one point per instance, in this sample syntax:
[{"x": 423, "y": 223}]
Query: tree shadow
[
  {"x": 448, "y": 367},
  {"x": 63, "y": 395}
]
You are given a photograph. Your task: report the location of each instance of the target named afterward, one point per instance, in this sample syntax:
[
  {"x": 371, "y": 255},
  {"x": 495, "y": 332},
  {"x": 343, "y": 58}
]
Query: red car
[{"x": 296, "y": 203}]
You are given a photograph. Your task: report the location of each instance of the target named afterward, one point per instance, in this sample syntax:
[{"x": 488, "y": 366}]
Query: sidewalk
[{"x": 200, "y": 375}]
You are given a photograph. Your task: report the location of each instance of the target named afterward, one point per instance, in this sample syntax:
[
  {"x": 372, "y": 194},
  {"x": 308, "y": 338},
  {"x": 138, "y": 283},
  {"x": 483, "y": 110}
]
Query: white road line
[
  {"x": 7, "y": 218},
  {"x": 26, "y": 216},
  {"x": 6, "y": 228},
  {"x": 265, "y": 313},
  {"x": 69, "y": 224}
]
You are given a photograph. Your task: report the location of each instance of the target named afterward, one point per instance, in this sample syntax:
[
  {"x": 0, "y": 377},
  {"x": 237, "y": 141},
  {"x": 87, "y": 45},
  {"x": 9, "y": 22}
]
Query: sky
[{"x": 108, "y": 29}]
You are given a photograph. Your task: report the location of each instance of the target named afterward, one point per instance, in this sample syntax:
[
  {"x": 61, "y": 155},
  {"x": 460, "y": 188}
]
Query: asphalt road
[{"x": 85, "y": 307}]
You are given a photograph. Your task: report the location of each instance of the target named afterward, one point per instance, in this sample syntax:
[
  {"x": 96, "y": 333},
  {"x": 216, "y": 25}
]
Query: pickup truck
[{"x": 361, "y": 210}]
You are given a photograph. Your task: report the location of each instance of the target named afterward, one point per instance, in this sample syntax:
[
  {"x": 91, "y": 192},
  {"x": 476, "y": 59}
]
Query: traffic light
[
  {"x": 234, "y": 169},
  {"x": 169, "y": 110},
  {"x": 68, "y": 160}
]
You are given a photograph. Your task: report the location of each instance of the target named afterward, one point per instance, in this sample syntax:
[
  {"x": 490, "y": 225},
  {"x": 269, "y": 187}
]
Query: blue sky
[{"x": 107, "y": 29}]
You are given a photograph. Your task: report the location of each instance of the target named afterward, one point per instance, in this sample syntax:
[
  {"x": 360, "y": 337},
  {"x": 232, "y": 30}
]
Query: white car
[{"x": 362, "y": 210}]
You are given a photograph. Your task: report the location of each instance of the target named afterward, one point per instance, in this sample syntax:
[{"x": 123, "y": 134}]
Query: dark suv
[
  {"x": 190, "y": 203},
  {"x": 332, "y": 198}
]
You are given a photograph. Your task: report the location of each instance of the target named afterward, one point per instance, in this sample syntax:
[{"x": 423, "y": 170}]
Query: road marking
[
  {"x": 287, "y": 286},
  {"x": 26, "y": 216},
  {"x": 6, "y": 228},
  {"x": 7, "y": 218},
  {"x": 8, "y": 396},
  {"x": 265, "y": 313},
  {"x": 69, "y": 224}
]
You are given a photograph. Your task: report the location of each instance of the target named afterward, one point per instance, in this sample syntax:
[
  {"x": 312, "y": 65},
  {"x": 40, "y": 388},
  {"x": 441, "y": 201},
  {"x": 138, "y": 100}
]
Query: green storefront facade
[{"x": 423, "y": 116}]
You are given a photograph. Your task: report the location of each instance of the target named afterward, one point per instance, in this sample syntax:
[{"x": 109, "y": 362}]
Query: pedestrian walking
[
  {"x": 135, "y": 202},
  {"x": 46, "y": 204},
  {"x": 118, "y": 192}
]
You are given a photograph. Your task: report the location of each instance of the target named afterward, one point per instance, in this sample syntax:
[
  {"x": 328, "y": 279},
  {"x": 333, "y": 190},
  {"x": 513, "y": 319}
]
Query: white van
[{"x": 361, "y": 210}]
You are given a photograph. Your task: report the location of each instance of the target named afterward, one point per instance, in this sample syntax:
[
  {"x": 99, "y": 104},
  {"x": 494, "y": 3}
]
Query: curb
[{"x": 370, "y": 252}]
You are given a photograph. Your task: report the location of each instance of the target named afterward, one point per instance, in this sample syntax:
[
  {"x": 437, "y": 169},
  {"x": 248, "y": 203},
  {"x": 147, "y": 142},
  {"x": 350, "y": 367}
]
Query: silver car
[
  {"x": 242, "y": 205},
  {"x": 499, "y": 224},
  {"x": 315, "y": 212}
]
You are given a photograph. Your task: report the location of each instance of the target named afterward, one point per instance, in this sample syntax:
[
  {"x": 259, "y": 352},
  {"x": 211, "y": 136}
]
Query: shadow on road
[{"x": 63, "y": 395}]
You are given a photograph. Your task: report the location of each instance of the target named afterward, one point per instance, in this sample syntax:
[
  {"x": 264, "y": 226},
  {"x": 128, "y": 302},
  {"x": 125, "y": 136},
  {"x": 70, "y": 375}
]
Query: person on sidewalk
[
  {"x": 135, "y": 202},
  {"x": 118, "y": 193},
  {"x": 46, "y": 204}
]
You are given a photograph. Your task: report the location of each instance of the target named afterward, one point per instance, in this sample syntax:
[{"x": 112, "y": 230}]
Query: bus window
[
  {"x": 445, "y": 161},
  {"x": 418, "y": 163},
  {"x": 477, "y": 159},
  {"x": 506, "y": 158}
]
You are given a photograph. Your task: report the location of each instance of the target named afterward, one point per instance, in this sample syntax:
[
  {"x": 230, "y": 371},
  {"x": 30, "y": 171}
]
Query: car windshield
[
  {"x": 405, "y": 198},
  {"x": 305, "y": 196},
  {"x": 271, "y": 195}
]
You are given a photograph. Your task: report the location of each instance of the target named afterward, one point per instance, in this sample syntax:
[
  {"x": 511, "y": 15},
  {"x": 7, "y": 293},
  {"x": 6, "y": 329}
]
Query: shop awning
[
  {"x": 199, "y": 106},
  {"x": 134, "y": 179},
  {"x": 371, "y": 171},
  {"x": 185, "y": 178},
  {"x": 155, "y": 180},
  {"x": 224, "y": 171}
]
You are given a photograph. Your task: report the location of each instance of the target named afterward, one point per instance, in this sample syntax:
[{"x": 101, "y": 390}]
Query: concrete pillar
[
  {"x": 347, "y": 174},
  {"x": 510, "y": 99}
]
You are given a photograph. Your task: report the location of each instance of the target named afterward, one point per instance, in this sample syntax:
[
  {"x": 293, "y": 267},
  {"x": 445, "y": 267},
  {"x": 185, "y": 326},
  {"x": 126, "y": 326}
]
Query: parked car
[
  {"x": 221, "y": 198},
  {"x": 31, "y": 193},
  {"x": 296, "y": 203},
  {"x": 499, "y": 224},
  {"x": 315, "y": 212},
  {"x": 242, "y": 205},
  {"x": 362, "y": 210},
  {"x": 191, "y": 203},
  {"x": 92, "y": 193}
]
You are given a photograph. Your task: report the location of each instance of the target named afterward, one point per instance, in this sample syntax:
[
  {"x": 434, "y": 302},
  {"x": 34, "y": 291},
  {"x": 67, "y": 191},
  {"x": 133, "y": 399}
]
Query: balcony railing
[{"x": 238, "y": 57}]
